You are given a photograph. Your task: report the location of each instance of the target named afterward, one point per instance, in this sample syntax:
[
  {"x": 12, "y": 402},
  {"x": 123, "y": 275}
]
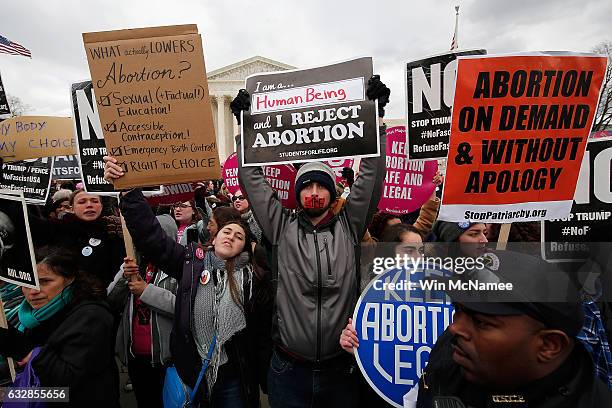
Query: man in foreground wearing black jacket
[{"x": 514, "y": 349}]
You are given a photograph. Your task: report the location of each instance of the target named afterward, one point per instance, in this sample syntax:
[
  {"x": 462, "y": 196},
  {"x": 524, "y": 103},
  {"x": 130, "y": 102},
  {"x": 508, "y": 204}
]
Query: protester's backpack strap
[{"x": 205, "y": 364}]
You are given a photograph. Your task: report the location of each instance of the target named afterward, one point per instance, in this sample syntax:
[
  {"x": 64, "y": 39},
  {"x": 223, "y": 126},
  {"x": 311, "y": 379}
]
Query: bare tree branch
[{"x": 603, "y": 117}]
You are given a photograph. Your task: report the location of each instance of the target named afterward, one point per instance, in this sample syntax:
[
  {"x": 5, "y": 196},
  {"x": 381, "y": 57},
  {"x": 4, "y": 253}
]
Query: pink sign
[
  {"x": 408, "y": 183},
  {"x": 338, "y": 165},
  {"x": 230, "y": 173},
  {"x": 281, "y": 179},
  {"x": 601, "y": 133}
]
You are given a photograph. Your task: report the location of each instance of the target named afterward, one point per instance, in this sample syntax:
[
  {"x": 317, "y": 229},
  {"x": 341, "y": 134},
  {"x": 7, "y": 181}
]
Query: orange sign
[{"x": 519, "y": 130}]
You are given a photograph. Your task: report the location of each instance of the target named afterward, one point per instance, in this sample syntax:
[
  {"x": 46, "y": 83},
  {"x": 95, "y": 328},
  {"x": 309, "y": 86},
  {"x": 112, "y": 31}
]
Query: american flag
[
  {"x": 455, "y": 42},
  {"x": 9, "y": 47}
]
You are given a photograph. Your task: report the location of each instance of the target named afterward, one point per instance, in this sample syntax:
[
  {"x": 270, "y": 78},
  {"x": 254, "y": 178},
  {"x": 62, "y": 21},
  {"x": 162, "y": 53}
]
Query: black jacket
[
  {"x": 573, "y": 385},
  {"x": 181, "y": 263},
  {"x": 70, "y": 232},
  {"x": 76, "y": 352}
]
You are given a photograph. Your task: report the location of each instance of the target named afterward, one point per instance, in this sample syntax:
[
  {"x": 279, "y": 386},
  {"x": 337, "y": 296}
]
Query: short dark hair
[
  {"x": 65, "y": 262},
  {"x": 379, "y": 223},
  {"x": 394, "y": 232}
]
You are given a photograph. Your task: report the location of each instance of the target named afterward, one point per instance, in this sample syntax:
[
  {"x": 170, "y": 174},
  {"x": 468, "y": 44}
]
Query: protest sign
[
  {"x": 408, "y": 183},
  {"x": 17, "y": 262},
  {"x": 519, "y": 131},
  {"x": 32, "y": 177},
  {"x": 602, "y": 133},
  {"x": 66, "y": 168},
  {"x": 338, "y": 165},
  {"x": 281, "y": 178},
  {"x": 4, "y": 106},
  {"x": 310, "y": 114},
  {"x": 153, "y": 101},
  {"x": 32, "y": 137},
  {"x": 90, "y": 141},
  {"x": 397, "y": 328},
  {"x": 230, "y": 173},
  {"x": 89, "y": 138},
  {"x": 430, "y": 92},
  {"x": 591, "y": 216},
  {"x": 173, "y": 193}
]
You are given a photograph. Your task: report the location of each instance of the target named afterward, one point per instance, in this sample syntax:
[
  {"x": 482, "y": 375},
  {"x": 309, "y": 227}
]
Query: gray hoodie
[
  {"x": 159, "y": 296},
  {"x": 315, "y": 269}
]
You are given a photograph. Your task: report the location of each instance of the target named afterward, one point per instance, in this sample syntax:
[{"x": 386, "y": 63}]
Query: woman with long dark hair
[
  {"x": 215, "y": 308},
  {"x": 65, "y": 334}
]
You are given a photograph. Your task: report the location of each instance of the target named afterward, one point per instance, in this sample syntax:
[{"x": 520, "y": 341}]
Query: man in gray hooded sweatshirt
[{"x": 314, "y": 258}]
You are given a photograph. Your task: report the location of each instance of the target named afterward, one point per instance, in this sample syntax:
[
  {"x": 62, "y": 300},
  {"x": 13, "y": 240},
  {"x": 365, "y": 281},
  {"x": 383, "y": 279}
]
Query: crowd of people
[{"x": 232, "y": 295}]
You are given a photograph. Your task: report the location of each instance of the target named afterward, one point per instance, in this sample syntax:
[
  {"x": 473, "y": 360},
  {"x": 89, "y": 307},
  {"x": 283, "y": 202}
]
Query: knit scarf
[
  {"x": 30, "y": 318},
  {"x": 215, "y": 311}
]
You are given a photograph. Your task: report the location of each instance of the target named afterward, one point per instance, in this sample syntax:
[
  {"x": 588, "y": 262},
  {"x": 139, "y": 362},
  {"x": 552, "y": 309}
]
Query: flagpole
[{"x": 455, "y": 42}]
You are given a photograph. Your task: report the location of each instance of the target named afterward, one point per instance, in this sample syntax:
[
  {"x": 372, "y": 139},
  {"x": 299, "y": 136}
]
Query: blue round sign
[{"x": 398, "y": 319}]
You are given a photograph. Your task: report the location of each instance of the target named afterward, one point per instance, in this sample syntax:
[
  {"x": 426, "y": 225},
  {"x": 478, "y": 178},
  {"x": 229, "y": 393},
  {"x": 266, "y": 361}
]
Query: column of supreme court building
[{"x": 223, "y": 86}]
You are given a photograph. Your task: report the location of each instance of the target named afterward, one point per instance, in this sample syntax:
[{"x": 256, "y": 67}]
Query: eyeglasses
[
  {"x": 234, "y": 198},
  {"x": 181, "y": 206}
]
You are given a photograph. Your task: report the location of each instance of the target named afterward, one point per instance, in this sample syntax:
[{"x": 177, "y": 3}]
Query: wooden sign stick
[
  {"x": 502, "y": 240},
  {"x": 4, "y": 325}
]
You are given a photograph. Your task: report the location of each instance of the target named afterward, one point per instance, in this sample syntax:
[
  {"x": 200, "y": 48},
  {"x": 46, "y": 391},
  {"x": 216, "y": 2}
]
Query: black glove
[
  {"x": 349, "y": 175},
  {"x": 378, "y": 90},
  {"x": 242, "y": 102}
]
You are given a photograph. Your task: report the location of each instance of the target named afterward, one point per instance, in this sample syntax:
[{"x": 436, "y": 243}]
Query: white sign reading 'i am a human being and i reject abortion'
[{"x": 311, "y": 114}]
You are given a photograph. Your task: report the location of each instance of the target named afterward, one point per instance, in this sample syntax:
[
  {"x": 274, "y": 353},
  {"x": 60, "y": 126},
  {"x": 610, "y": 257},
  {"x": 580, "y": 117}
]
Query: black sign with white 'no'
[
  {"x": 591, "y": 214},
  {"x": 430, "y": 94},
  {"x": 90, "y": 139}
]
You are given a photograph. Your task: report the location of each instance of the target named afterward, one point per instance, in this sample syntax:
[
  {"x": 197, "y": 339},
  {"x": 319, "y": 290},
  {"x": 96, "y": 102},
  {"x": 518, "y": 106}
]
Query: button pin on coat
[{"x": 204, "y": 277}]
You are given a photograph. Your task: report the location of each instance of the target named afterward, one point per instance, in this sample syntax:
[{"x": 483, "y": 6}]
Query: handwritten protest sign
[
  {"x": 310, "y": 114},
  {"x": 519, "y": 131},
  {"x": 90, "y": 141},
  {"x": 430, "y": 93},
  {"x": 408, "y": 183},
  {"x": 4, "y": 106},
  {"x": 152, "y": 96},
  {"x": 32, "y": 137},
  {"x": 32, "y": 177},
  {"x": 591, "y": 216},
  {"x": 17, "y": 263}
]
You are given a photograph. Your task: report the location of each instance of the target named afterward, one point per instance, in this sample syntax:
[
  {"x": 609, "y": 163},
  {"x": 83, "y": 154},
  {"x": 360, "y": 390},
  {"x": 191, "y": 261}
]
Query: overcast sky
[{"x": 296, "y": 32}]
